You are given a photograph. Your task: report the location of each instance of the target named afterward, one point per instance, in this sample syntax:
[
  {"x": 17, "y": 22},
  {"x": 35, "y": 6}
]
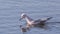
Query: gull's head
[{"x": 23, "y": 15}]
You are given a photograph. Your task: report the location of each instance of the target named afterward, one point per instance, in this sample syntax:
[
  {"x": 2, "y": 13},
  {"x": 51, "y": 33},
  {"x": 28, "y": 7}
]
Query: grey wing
[
  {"x": 46, "y": 19},
  {"x": 42, "y": 21},
  {"x": 38, "y": 20}
]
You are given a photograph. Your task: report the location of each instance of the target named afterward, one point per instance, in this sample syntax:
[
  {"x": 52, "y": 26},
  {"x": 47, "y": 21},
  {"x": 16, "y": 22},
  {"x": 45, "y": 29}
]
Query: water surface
[{"x": 10, "y": 11}]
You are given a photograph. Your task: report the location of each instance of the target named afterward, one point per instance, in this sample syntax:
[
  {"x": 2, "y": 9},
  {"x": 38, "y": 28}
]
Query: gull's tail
[{"x": 49, "y": 18}]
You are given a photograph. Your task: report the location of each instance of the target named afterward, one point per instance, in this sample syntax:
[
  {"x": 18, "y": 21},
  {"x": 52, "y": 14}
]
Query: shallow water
[{"x": 10, "y": 11}]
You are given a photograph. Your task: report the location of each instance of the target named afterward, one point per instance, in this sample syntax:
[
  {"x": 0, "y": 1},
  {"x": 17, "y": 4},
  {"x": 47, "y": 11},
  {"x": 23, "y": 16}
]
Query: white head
[{"x": 23, "y": 15}]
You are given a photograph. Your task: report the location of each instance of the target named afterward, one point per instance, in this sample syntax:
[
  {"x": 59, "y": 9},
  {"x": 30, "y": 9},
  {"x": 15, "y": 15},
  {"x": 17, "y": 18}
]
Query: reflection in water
[{"x": 24, "y": 29}]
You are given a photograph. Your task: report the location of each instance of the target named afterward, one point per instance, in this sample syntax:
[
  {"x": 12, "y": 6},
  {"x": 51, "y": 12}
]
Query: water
[{"x": 10, "y": 11}]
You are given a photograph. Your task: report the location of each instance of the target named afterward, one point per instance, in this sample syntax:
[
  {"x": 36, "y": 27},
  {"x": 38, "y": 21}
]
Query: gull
[{"x": 31, "y": 22}]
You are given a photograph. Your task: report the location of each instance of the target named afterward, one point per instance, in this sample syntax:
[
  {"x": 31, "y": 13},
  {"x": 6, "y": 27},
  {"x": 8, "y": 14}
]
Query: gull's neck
[{"x": 28, "y": 19}]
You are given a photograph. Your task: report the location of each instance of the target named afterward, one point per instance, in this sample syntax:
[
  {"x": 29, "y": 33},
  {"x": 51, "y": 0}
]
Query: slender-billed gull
[{"x": 31, "y": 22}]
